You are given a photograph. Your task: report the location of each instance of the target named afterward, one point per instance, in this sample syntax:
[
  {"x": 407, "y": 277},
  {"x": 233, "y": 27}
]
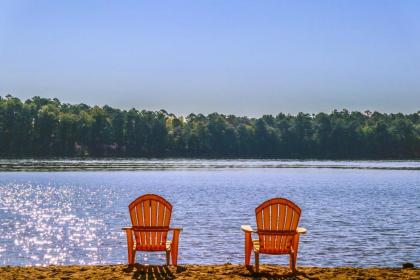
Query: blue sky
[{"x": 240, "y": 57}]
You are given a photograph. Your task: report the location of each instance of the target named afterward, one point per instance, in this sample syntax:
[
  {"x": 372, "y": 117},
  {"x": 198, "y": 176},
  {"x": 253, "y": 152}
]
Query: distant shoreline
[
  {"x": 141, "y": 164},
  {"x": 45, "y": 127},
  {"x": 227, "y": 271},
  {"x": 14, "y": 157}
]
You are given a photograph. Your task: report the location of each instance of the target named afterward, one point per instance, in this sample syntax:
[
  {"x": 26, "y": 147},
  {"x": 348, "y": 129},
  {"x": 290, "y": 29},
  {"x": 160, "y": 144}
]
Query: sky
[{"x": 234, "y": 57}]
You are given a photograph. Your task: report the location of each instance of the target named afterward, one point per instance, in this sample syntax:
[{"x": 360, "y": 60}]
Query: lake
[{"x": 357, "y": 213}]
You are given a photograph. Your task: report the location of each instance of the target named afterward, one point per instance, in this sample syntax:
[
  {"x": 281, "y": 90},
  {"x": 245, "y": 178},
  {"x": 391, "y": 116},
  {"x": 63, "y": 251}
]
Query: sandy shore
[{"x": 227, "y": 271}]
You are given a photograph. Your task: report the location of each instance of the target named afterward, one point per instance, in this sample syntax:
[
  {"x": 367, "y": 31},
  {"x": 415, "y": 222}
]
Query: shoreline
[
  {"x": 172, "y": 164},
  {"x": 189, "y": 271}
]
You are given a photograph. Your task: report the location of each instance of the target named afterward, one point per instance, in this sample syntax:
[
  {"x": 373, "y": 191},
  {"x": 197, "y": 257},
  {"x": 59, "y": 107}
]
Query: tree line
[{"x": 43, "y": 127}]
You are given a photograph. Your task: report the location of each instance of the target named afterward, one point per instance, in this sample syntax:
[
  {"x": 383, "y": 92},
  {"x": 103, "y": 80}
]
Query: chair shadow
[
  {"x": 146, "y": 272},
  {"x": 277, "y": 276}
]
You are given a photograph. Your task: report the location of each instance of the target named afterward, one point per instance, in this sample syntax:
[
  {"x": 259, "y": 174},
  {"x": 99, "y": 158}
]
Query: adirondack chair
[
  {"x": 277, "y": 221},
  {"x": 150, "y": 218}
]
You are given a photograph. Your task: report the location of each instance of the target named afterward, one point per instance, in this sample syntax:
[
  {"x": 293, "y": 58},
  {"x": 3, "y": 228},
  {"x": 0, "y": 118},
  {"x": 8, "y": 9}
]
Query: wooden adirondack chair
[
  {"x": 150, "y": 218},
  {"x": 277, "y": 221}
]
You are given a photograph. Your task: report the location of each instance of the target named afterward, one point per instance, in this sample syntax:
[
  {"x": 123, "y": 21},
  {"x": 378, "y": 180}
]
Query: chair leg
[
  {"x": 174, "y": 247},
  {"x": 174, "y": 255},
  {"x": 257, "y": 262},
  {"x": 131, "y": 252},
  {"x": 294, "y": 252},
  {"x": 133, "y": 256},
  {"x": 168, "y": 257},
  {"x": 248, "y": 248},
  {"x": 292, "y": 262},
  {"x": 130, "y": 255}
]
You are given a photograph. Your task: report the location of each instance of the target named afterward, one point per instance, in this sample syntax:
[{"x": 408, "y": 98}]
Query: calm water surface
[{"x": 354, "y": 217}]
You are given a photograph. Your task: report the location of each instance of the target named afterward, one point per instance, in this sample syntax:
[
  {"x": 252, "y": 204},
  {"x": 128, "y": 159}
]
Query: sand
[{"x": 227, "y": 271}]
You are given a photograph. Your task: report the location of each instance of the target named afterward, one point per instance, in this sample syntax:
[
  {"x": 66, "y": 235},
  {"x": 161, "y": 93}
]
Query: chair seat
[
  {"x": 257, "y": 249},
  {"x": 256, "y": 245},
  {"x": 162, "y": 247}
]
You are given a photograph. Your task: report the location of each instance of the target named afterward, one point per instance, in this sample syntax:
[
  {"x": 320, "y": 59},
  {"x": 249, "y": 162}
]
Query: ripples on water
[
  {"x": 354, "y": 217},
  {"x": 191, "y": 164}
]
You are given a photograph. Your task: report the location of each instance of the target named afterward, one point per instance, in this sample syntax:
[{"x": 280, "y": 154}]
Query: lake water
[{"x": 357, "y": 213}]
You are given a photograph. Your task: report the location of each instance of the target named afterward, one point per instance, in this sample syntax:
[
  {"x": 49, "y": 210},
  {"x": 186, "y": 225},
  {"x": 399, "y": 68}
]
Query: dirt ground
[{"x": 227, "y": 271}]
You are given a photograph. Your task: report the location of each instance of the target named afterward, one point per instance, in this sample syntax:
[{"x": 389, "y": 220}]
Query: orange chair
[
  {"x": 150, "y": 218},
  {"x": 277, "y": 221}
]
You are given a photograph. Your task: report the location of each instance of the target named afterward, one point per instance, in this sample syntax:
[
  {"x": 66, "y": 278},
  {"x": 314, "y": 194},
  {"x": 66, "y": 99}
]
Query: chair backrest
[
  {"x": 150, "y": 216},
  {"x": 277, "y": 220}
]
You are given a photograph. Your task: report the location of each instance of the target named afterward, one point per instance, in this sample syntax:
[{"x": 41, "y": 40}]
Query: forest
[{"x": 44, "y": 127}]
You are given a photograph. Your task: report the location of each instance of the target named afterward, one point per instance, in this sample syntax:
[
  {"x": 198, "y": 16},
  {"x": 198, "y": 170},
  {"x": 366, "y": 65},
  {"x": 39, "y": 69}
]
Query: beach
[{"x": 227, "y": 271}]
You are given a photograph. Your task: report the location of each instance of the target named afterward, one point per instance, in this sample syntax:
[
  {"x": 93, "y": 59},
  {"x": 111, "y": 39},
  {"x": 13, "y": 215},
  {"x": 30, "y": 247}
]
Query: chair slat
[
  {"x": 166, "y": 221},
  {"x": 274, "y": 223},
  {"x": 167, "y": 218},
  {"x": 295, "y": 221},
  {"x": 153, "y": 221},
  {"x": 286, "y": 226},
  {"x": 289, "y": 217},
  {"x": 147, "y": 220},
  {"x": 267, "y": 226},
  {"x": 259, "y": 220},
  {"x": 160, "y": 213},
  {"x": 282, "y": 217},
  {"x": 140, "y": 215}
]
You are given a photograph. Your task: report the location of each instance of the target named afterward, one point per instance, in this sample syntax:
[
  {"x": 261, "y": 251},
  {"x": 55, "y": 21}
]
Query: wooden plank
[
  {"x": 139, "y": 210},
  {"x": 160, "y": 214},
  {"x": 133, "y": 216},
  {"x": 282, "y": 216},
  {"x": 287, "y": 223},
  {"x": 267, "y": 226},
  {"x": 260, "y": 225},
  {"x": 139, "y": 214},
  {"x": 147, "y": 220},
  {"x": 259, "y": 220},
  {"x": 267, "y": 218},
  {"x": 153, "y": 221},
  {"x": 166, "y": 221},
  {"x": 160, "y": 217},
  {"x": 140, "y": 217},
  {"x": 274, "y": 223},
  {"x": 281, "y": 223},
  {"x": 295, "y": 220},
  {"x": 289, "y": 218},
  {"x": 167, "y": 217},
  {"x": 135, "y": 222}
]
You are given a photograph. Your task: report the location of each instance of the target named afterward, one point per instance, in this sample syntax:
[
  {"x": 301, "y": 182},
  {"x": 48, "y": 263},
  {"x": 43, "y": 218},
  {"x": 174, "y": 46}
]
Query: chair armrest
[
  {"x": 247, "y": 228},
  {"x": 301, "y": 230},
  {"x": 127, "y": 228}
]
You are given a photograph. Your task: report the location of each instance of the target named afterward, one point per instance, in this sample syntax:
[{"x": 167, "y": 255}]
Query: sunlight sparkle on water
[{"x": 76, "y": 217}]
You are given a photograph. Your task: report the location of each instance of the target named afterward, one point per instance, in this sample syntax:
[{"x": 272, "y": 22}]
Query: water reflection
[
  {"x": 354, "y": 217},
  {"x": 52, "y": 224}
]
